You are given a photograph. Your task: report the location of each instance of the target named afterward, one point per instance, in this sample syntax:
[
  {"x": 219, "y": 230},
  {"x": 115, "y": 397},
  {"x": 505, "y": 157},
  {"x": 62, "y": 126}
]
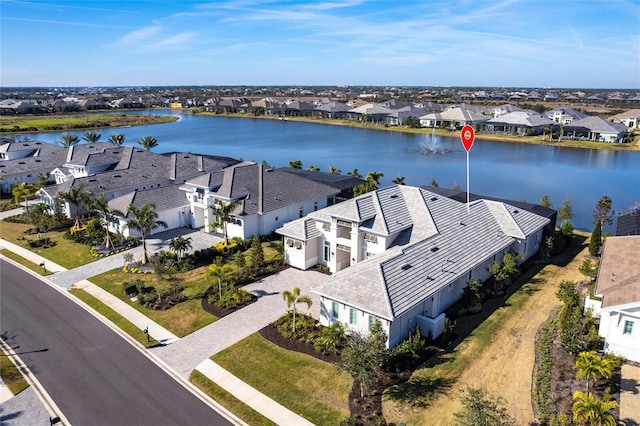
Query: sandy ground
[{"x": 505, "y": 368}]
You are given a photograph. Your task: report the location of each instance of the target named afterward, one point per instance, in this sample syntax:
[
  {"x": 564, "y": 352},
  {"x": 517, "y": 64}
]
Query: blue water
[{"x": 500, "y": 169}]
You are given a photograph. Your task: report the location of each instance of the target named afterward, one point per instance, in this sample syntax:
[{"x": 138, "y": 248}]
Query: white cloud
[{"x": 142, "y": 34}]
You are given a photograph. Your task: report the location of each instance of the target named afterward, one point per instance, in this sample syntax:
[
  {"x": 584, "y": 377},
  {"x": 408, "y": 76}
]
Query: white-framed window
[
  {"x": 372, "y": 321},
  {"x": 628, "y": 328},
  {"x": 371, "y": 238},
  {"x": 353, "y": 316},
  {"x": 334, "y": 310},
  {"x": 327, "y": 251},
  {"x": 326, "y": 227},
  {"x": 289, "y": 242},
  {"x": 369, "y": 254}
]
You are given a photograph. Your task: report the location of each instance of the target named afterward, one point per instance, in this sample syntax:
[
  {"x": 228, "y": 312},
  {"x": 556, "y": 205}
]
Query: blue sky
[{"x": 511, "y": 43}]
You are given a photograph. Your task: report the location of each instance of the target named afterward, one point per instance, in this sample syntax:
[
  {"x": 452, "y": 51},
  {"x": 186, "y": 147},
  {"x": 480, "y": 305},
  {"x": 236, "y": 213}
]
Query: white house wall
[
  {"x": 362, "y": 325},
  {"x": 612, "y": 324}
]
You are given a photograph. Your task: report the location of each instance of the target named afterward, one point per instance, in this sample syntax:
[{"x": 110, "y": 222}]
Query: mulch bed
[{"x": 219, "y": 311}]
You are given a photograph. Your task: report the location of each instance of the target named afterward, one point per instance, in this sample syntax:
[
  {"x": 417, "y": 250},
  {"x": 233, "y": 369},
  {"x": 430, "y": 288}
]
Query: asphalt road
[{"x": 94, "y": 376}]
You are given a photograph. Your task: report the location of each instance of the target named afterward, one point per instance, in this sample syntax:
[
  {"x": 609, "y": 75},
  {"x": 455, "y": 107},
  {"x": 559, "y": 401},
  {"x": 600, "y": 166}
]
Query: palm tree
[
  {"x": 68, "y": 139},
  {"x": 144, "y": 220},
  {"x": 334, "y": 170},
  {"x": 587, "y": 409},
  {"x": 180, "y": 245},
  {"x": 589, "y": 366},
  {"x": 222, "y": 211},
  {"x": 100, "y": 207},
  {"x": 116, "y": 139},
  {"x": 24, "y": 189},
  {"x": 221, "y": 273},
  {"x": 294, "y": 297},
  {"x": 374, "y": 177},
  {"x": 148, "y": 142},
  {"x": 332, "y": 338},
  {"x": 399, "y": 180},
  {"x": 77, "y": 196},
  {"x": 313, "y": 169},
  {"x": 354, "y": 174},
  {"x": 91, "y": 136},
  {"x": 295, "y": 164},
  {"x": 433, "y": 183}
]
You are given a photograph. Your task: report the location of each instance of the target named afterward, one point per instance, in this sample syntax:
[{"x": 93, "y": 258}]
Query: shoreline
[{"x": 532, "y": 140}]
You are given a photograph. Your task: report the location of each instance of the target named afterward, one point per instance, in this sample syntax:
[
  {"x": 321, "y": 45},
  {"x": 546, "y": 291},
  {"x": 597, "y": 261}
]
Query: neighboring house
[
  {"x": 26, "y": 161},
  {"x": 565, "y": 115},
  {"x": 522, "y": 123},
  {"x": 596, "y": 129},
  {"x": 618, "y": 288},
  {"x": 344, "y": 183},
  {"x": 455, "y": 116},
  {"x": 628, "y": 223},
  {"x": 403, "y": 255},
  {"x": 268, "y": 198},
  {"x": 630, "y": 118}
]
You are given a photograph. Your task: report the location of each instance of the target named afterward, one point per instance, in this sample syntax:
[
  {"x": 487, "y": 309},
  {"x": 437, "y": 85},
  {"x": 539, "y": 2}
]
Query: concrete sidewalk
[{"x": 31, "y": 256}]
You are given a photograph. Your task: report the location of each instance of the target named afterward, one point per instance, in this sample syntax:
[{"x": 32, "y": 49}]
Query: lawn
[
  {"x": 121, "y": 322},
  {"x": 24, "y": 262},
  {"x": 77, "y": 121},
  {"x": 65, "y": 253},
  {"x": 181, "y": 319},
  {"x": 304, "y": 384},
  {"x": 11, "y": 376},
  {"x": 228, "y": 401}
]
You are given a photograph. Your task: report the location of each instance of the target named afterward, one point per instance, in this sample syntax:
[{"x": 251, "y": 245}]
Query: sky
[{"x": 481, "y": 43}]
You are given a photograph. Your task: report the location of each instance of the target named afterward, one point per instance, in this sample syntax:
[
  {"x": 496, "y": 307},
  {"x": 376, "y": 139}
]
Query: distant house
[
  {"x": 628, "y": 223},
  {"x": 402, "y": 255},
  {"x": 630, "y": 118},
  {"x": 596, "y": 129},
  {"x": 459, "y": 116},
  {"x": 522, "y": 123},
  {"x": 26, "y": 161},
  {"x": 565, "y": 115},
  {"x": 618, "y": 288},
  {"x": 267, "y": 198}
]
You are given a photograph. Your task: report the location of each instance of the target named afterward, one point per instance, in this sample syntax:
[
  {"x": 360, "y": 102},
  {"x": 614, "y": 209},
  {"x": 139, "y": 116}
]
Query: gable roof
[
  {"x": 453, "y": 243},
  {"x": 619, "y": 275},
  {"x": 164, "y": 198}
]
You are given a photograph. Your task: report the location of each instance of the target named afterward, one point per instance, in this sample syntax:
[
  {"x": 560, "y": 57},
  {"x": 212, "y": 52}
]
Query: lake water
[{"x": 500, "y": 169}]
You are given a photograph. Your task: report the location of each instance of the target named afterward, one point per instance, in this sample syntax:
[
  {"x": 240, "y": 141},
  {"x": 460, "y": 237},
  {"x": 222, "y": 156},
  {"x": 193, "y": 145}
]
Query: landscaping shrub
[
  {"x": 231, "y": 299},
  {"x": 307, "y": 329}
]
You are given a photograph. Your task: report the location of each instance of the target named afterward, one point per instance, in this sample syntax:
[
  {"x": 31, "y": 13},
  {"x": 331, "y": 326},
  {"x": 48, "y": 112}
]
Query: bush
[
  {"x": 42, "y": 242},
  {"x": 231, "y": 299},
  {"x": 307, "y": 329}
]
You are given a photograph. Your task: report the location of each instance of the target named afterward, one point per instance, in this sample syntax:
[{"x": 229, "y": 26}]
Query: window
[
  {"x": 327, "y": 251},
  {"x": 370, "y": 238},
  {"x": 628, "y": 328},
  {"x": 289, "y": 242},
  {"x": 369, "y": 254},
  {"x": 372, "y": 321},
  {"x": 298, "y": 245},
  {"x": 353, "y": 316},
  {"x": 326, "y": 227},
  {"x": 334, "y": 310}
]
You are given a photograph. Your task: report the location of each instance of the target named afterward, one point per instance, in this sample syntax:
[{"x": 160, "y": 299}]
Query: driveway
[
  {"x": 185, "y": 354},
  {"x": 630, "y": 395}
]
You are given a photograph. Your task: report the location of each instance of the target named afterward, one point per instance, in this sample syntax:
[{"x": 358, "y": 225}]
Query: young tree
[
  {"x": 25, "y": 190},
  {"x": 589, "y": 269},
  {"x": 603, "y": 211},
  {"x": 331, "y": 339},
  {"x": 480, "y": 408},
  {"x": 68, "y": 139},
  {"x": 294, "y": 297},
  {"x": 433, "y": 183},
  {"x": 79, "y": 198},
  {"x": 313, "y": 169},
  {"x": 456, "y": 186},
  {"x": 256, "y": 253},
  {"x": 221, "y": 273},
  {"x": 116, "y": 139},
  {"x": 364, "y": 357},
  {"x": 100, "y": 207},
  {"x": 144, "y": 220},
  {"x": 587, "y": 409},
  {"x": 180, "y": 245},
  {"x": 334, "y": 170},
  {"x": 589, "y": 366},
  {"x": 222, "y": 211},
  {"x": 565, "y": 211},
  {"x": 398, "y": 180},
  {"x": 595, "y": 242},
  {"x": 354, "y": 174},
  {"x": 545, "y": 202},
  {"x": 148, "y": 142},
  {"x": 91, "y": 136}
]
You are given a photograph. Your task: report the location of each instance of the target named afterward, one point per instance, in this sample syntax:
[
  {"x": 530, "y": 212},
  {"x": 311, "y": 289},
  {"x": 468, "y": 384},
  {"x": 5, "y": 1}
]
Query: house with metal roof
[
  {"x": 596, "y": 129},
  {"x": 403, "y": 255},
  {"x": 522, "y": 123},
  {"x": 618, "y": 291},
  {"x": 26, "y": 161},
  {"x": 461, "y": 116},
  {"x": 565, "y": 115},
  {"x": 268, "y": 198}
]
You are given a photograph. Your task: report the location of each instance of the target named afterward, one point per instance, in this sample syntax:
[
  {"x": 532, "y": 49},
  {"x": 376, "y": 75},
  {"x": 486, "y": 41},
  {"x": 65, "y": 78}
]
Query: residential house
[
  {"x": 403, "y": 255},
  {"x": 268, "y": 198},
  {"x": 26, "y": 161},
  {"x": 522, "y": 123},
  {"x": 618, "y": 288},
  {"x": 630, "y": 118},
  {"x": 628, "y": 222},
  {"x": 596, "y": 129},
  {"x": 565, "y": 115},
  {"x": 454, "y": 117}
]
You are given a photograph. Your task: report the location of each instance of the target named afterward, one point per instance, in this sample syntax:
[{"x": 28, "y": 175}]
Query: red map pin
[{"x": 467, "y": 135}]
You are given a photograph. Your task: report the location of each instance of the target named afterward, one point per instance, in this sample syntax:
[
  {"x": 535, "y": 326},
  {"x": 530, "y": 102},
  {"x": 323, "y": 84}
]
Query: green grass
[
  {"x": 74, "y": 122},
  {"x": 181, "y": 319},
  {"x": 11, "y": 376},
  {"x": 228, "y": 401},
  {"x": 304, "y": 384},
  {"x": 121, "y": 322},
  {"x": 65, "y": 253},
  {"x": 24, "y": 262}
]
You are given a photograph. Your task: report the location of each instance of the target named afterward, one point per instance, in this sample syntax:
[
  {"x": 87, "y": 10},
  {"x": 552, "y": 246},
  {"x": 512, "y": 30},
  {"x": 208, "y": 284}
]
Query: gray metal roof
[
  {"x": 452, "y": 243},
  {"x": 165, "y": 198}
]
